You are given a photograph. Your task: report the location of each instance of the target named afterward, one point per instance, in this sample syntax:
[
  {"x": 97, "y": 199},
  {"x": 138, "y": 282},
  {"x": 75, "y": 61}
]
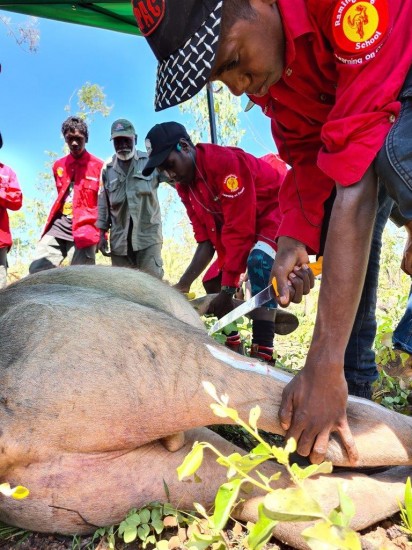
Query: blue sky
[{"x": 34, "y": 89}]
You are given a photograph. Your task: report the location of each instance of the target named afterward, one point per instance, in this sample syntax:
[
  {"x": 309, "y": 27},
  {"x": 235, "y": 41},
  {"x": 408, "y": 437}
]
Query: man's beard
[{"x": 125, "y": 154}]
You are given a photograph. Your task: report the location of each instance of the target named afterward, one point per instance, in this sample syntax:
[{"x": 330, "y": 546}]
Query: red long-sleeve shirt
[
  {"x": 11, "y": 198},
  {"x": 84, "y": 173},
  {"x": 345, "y": 65},
  {"x": 233, "y": 202}
]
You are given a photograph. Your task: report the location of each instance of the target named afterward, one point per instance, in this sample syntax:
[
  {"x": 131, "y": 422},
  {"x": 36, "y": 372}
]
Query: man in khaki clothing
[{"x": 129, "y": 206}]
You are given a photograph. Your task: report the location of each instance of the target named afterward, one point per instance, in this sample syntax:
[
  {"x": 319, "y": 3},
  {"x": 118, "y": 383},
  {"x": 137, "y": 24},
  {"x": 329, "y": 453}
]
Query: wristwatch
[{"x": 228, "y": 289}]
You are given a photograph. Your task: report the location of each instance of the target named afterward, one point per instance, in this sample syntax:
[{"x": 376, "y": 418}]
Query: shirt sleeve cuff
[{"x": 296, "y": 226}]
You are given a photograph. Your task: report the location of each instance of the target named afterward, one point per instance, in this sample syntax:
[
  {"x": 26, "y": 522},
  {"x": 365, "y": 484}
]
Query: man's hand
[
  {"x": 182, "y": 287},
  {"x": 221, "y": 305},
  {"x": 290, "y": 268},
  {"x": 310, "y": 411},
  {"x": 102, "y": 245},
  {"x": 406, "y": 264}
]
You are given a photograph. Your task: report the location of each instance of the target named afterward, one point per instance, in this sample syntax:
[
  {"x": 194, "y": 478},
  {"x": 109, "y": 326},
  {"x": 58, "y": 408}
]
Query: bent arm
[
  {"x": 201, "y": 259},
  {"x": 314, "y": 403}
]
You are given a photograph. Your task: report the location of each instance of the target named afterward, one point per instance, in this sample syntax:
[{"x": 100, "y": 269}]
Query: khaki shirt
[{"x": 129, "y": 196}]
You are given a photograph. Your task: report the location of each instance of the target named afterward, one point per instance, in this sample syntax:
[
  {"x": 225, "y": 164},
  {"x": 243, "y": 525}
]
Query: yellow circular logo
[
  {"x": 360, "y": 22},
  {"x": 232, "y": 183},
  {"x": 60, "y": 171}
]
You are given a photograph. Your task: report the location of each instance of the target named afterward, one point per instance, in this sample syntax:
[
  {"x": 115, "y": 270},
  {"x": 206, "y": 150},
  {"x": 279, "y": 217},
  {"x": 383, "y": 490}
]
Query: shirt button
[
  {"x": 288, "y": 72},
  {"x": 213, "y": 229},
  {"x": 392, "y": 119}
]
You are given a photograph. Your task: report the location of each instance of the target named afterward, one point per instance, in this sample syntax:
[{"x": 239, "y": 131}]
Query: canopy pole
[{"x": 212, "y": 114}]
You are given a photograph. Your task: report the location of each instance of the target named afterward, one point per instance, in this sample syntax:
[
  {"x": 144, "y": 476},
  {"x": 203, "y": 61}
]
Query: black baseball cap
[
  {"x": 162, "y": 139},
  {"x": 183, "y": 35}
]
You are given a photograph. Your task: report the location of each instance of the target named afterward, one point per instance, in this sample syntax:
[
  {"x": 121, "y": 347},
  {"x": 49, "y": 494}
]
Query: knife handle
[{"x": 316, "y": 268}]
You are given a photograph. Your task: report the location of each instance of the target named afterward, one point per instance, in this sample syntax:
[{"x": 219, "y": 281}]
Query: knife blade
[{"x": 258, "y": 300}]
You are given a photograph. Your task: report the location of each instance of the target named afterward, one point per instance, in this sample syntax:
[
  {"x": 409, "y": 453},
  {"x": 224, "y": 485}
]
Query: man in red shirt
[
  {"x": 70, "y": 229},
  {"x": 333, "y": 77},
  {"x": 11, "y": 198},
  {"x": 231, "y": 200}
]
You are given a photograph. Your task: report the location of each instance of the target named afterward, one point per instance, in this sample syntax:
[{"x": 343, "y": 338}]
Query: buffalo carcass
[{"x": 101, "y": 371}]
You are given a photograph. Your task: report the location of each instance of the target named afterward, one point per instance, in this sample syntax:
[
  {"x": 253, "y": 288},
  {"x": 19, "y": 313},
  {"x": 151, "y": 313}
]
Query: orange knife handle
[
  {"x": 275, "y": 286},
  {"x": 316, "y": 267}
]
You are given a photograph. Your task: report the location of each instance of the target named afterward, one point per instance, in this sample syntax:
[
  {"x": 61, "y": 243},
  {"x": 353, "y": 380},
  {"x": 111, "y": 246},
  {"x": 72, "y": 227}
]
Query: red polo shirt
[
  {"x": 233, "y": 203},
  {"x": 345, "y": 65},
  {"x": 11, "y": 198}
]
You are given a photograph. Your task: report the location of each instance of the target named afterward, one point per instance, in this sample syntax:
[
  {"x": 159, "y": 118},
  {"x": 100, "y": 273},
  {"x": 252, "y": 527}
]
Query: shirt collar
[
  {"x": 80, "y": 160},
  {"x": 296, "y": 22}
]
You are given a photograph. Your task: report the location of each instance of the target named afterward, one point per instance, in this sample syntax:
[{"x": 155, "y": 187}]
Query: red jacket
[
  {"x": 336, "y": 100},
  {"x": 10, "y": 198},
  {"x": 233, "y": 203},
  {"x": 86, "y": 173}
]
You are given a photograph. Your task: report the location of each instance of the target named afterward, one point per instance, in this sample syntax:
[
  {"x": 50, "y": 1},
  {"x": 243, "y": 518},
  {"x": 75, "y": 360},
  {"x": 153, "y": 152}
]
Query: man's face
[
  {"x": 250, "y": 56},
  {"x": 76, "y": 142},
  {"x": 123, "y": 144},
  {"x": 180, "y": 167}
]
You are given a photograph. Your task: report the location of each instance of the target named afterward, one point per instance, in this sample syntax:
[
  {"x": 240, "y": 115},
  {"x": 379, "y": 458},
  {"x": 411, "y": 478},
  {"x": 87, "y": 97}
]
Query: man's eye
[{"x": 232, "y": 65}]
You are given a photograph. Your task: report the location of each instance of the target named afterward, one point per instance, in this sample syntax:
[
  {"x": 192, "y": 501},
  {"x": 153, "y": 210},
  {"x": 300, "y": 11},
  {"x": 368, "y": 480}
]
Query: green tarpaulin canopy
[{"x": 111, "y": 15}]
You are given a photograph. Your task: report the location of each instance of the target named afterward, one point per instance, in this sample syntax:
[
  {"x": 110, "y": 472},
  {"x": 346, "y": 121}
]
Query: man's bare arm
[{"x": 314, "y": 403}]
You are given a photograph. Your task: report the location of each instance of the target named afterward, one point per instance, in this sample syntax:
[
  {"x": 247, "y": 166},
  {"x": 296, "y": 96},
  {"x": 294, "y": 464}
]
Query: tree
[
  {"x": 227, "y": 109},
  {"x": 91, "y": 100},
  {"x": 26, "y": 34}
]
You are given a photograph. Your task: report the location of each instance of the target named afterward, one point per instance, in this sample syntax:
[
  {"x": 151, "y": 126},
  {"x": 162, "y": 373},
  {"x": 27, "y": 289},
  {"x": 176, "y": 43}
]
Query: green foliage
[
  {"x": 406, "y": 511},
  {"x": 227, "y": 108},
  {"x": 144, "y": 524},
  {"x": 295, "y": 503},
  {"x": 91, "y": 100}
]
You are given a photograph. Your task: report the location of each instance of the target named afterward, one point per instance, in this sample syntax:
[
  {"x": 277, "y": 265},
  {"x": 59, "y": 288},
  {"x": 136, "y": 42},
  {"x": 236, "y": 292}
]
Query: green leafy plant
[
  {"x": 144, "y": 524},
  {"x": 331, "y": 531},
  {"x": 406, "y": 511}
]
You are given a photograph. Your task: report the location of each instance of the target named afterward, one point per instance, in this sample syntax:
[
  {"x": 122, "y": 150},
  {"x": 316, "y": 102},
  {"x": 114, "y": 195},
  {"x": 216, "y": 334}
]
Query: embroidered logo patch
[
  {"x": 148, "y": 14},
  {"x": 232, "y": 187},
  {"x": 359, "y": 29},
  {"x": 60, "y": 171}
]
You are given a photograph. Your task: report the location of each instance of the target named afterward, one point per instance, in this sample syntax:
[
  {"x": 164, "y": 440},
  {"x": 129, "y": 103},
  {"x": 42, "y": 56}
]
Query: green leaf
[
  {"x": 224, "y": 412},
  {"x": 155, "y": 514},
  {"x": 243, "y": 463},
  {"x": 157, "y": 525},
  {"x": 210, "y": 389},
  {"x": 254, "y": 416},
  {"x": 324, "y": 536},
  {"x": 312, "y": 470},
  {"x": 292, "y": 504},
  {"x": 262, "y": 530},
  {"x": 408, "y": 501},
  {"x": 129, "y": 534},
  {"x": 231, "y": 327},
  {"x": 143, "y": 531},
  {"x": 202, "y": 542},
  {"x": 346, "y": 505},
  {"x": 145, "y": 515},
  {"x": 162, "y": 545},
  {"x": 192, "y": 462},
  {"x": 262, "y": 450},
  {"x": 291, "y": 445},
  {"x": 225, "y": 500}
]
